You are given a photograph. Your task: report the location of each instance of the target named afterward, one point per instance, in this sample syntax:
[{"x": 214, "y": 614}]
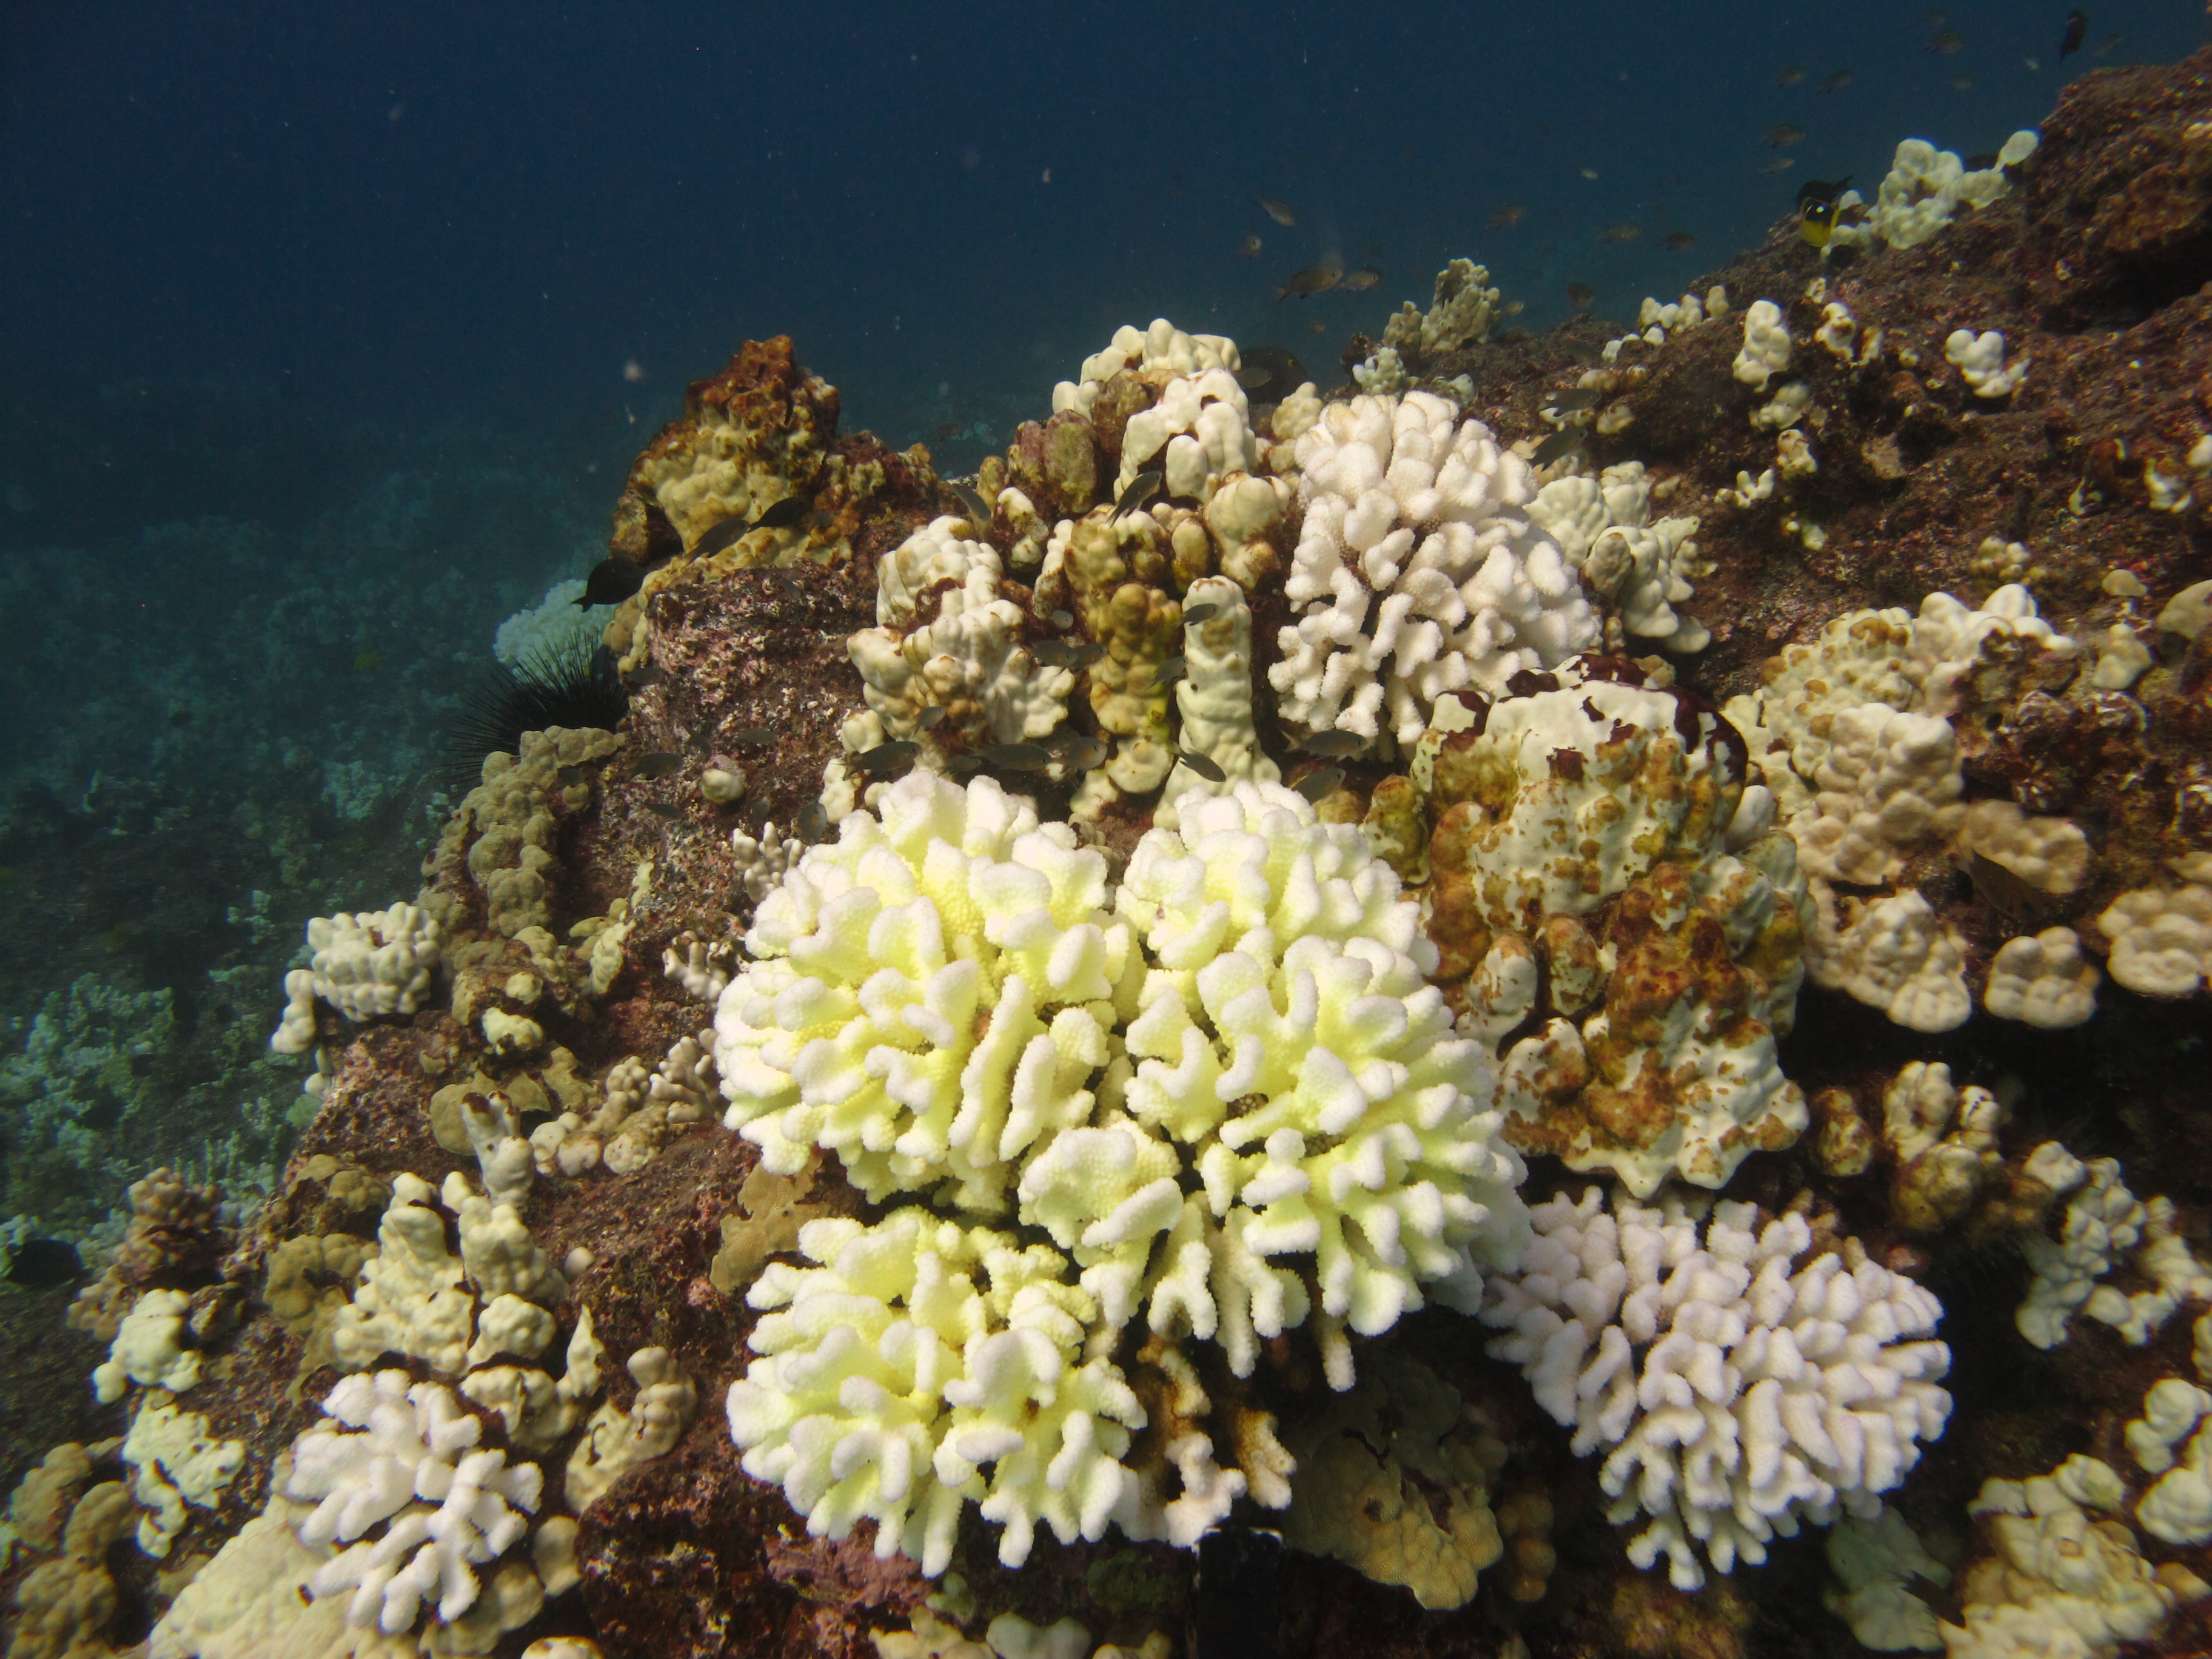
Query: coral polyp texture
[
  {"x": 1741, "y": 1378},
  {"x": 1222, "y": 1091},
  {"x": 1419, "y": 571}
]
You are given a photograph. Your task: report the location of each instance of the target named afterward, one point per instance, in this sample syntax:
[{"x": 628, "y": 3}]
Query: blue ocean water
[{"x": 326, "y": 333}]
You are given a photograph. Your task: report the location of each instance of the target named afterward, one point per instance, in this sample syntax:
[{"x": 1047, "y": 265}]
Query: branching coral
[
  {"x": 1419, "y": 571},
  {"x": 967, "y": 658},
  {"x": 1858, "y": 735},
  {"x": 2103, "y": 1224},
  {"x": 1641, "y": 971},
  {"x": 1603, "y": 526},
  {"x": 1463, "y": 309},
  {"x": 1745, "y": 1380},
  {"x": 946, "y": 1001},
  {"x": 404, "y": 1456}
]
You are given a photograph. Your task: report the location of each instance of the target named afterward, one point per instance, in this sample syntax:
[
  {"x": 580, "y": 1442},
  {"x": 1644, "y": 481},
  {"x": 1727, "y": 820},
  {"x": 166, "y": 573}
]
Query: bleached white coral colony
[
  {"x": 1419, "y": 571},
  {"x": 953, "y": 1001},
  {"x": 1745, "y": 1377},
  {"x": 967, "y": 659},
  {"x": 366, "y": 965},
  {"x": 404, "y": 1456}
]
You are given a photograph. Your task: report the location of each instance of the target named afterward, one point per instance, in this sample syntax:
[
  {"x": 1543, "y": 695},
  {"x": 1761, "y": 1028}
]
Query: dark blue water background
[{"x": 490, "y": 210}]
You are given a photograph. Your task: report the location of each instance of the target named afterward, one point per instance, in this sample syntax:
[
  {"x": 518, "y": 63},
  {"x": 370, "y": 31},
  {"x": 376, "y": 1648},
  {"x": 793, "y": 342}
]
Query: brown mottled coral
[
  {"x": 749, "y": 436},
  {"x": 761, "y": 431},
  {"x": 1631, "y": 972},
  {"x": 175, "y": 1240}
]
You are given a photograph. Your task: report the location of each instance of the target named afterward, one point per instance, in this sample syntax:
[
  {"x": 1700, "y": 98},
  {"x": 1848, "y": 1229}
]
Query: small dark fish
[
  {"x": 1269, "y": 373},
  {"x": 1279, "y": 211},
  {"x": 1982, "y": 162},
  {"x": 1782, "y": 134},
  {"x": 1314, "y": 279},
  {"x": 1318, "y": 787},
  {"x": 1945, "y": 40},
  {"x": 2108, "y": 44},
  {"x": 2077, "y": 30},
  {"x": 1171, "y": 670},
  {"x": 1053, "y": 654},
  {"x": 752, "y": 738},
  {"x": 646, "y": 675},
  {"x": 41, "y": 1264},
  {"x": 782, "y": 515},
  {"x": 1626, "y": 231},
  {"x": 1835, "y": 81},
  {"x": 1204, "y": 765},
  {"x": 1514, "y": 307},
  {"x": 1085, "y": 753},
  {"x": 1359, "y": 281},
  {"x": 1506, "y": 217},
  {"x": 1249, "y": 249},
  {"x": 1017, "y": 757},
  {"x": 658, "y": 765},
  {"x": 886, "y": 760},
  {"x": 1334, "y": 744},
  {"x": 1676, "y": 241},
  {"x": 720, "y": 537},
  {"x": 1582, "y": 397},
  {"x": 945, "y": 432},
  {"x": 661, "y": 808},
  {"x": 1315, "y": 325},
  {"x": 2001, "y": 887},
  {"x": 1779, "y": 164},
  {"x": 1791, "y": 76},
  {"x": 612, "y": 581},
  {"x": 813, "y": 820},
  {"x": 1087, "y": 652},
  {"x": 979, "y": 513},
  {"x": 1063, "y": 619},
  {"x": 1962, "y": 83},
  {"x": 960, "y": 765},
  {"x": 929, "y": 717},
  {"x": 1204, "y": 611},
  {"x": 1141, "y": 489},
  {"x": 1581, "y": 295},
  {"x": 1567, "y": 440}
]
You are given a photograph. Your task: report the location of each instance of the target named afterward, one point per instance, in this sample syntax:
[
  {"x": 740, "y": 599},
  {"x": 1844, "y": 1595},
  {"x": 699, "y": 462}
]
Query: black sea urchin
[{"x": 572, "y": 683}]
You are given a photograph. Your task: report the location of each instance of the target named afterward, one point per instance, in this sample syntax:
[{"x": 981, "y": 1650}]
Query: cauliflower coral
[
  {"x": 1223, "y": 1090},
  {"x": 1419, "y": 571}
]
